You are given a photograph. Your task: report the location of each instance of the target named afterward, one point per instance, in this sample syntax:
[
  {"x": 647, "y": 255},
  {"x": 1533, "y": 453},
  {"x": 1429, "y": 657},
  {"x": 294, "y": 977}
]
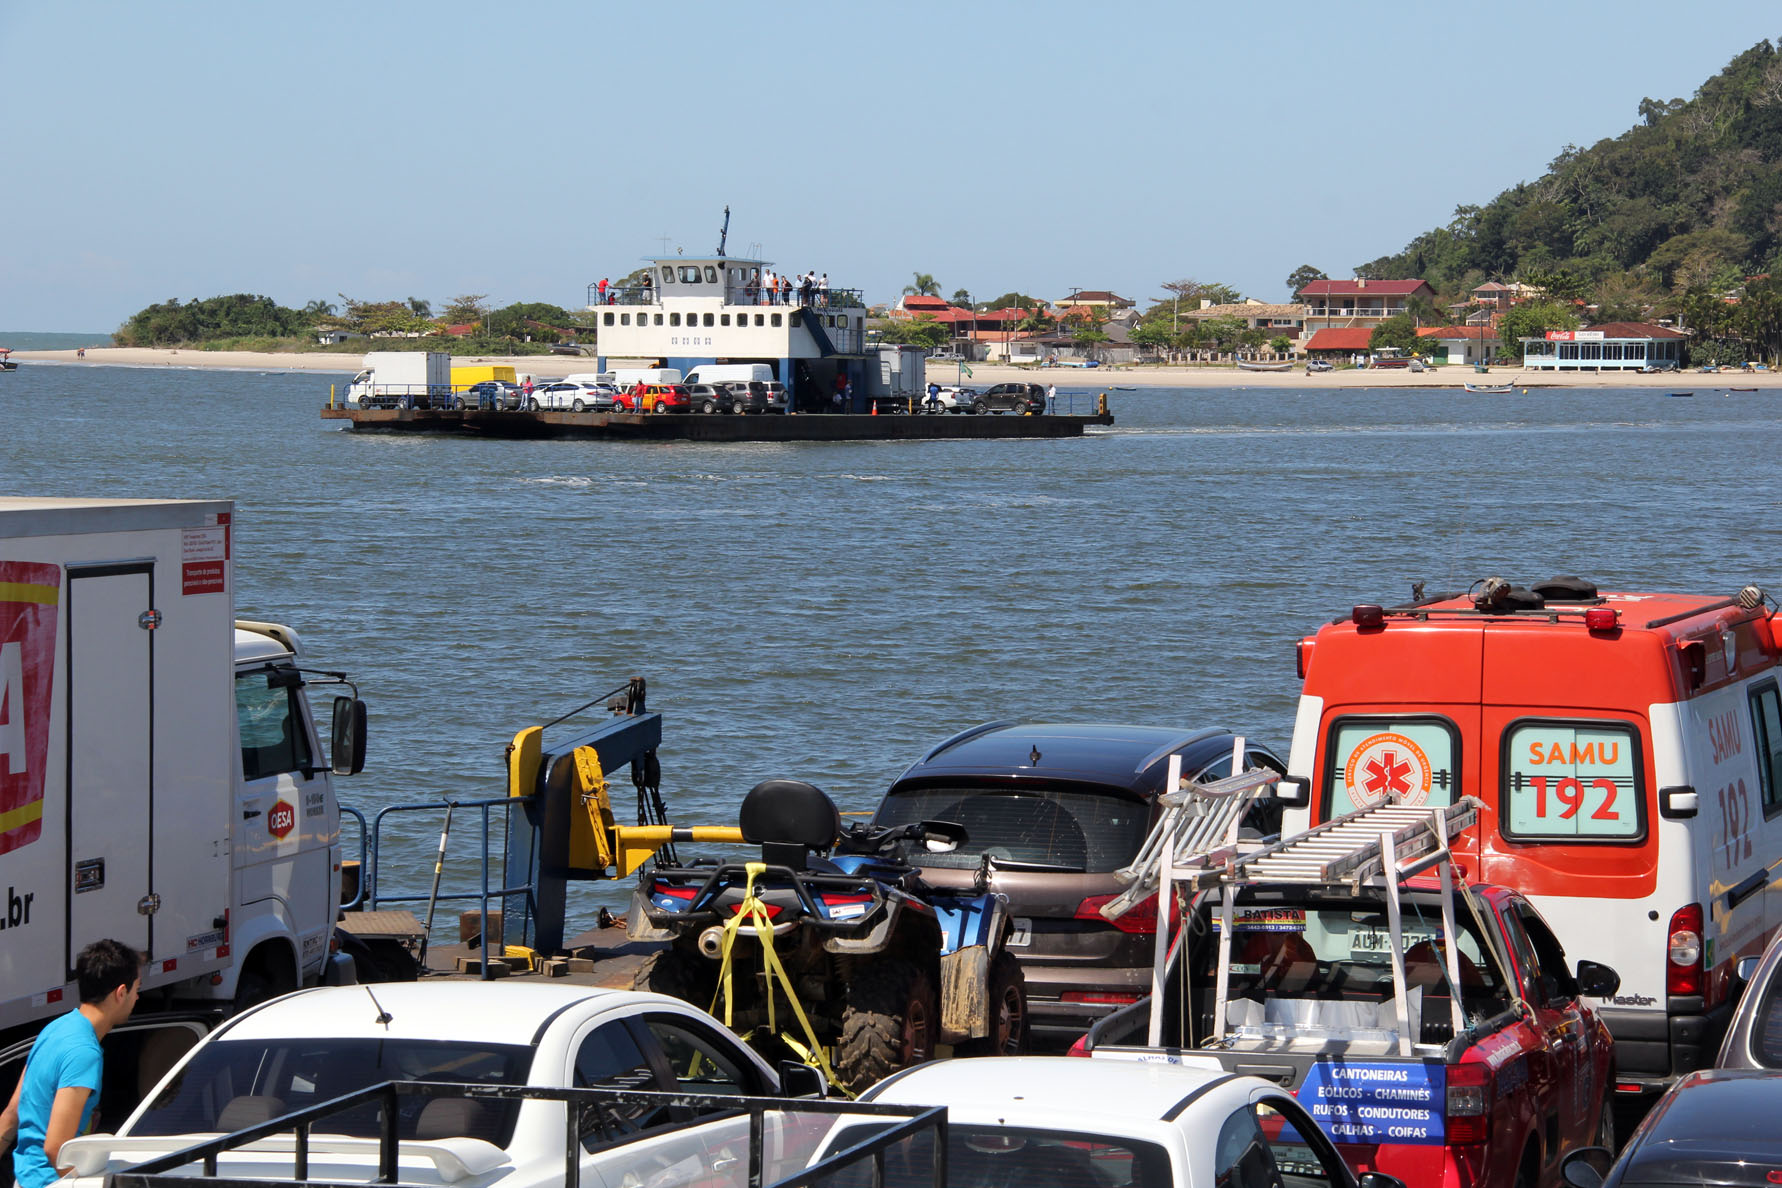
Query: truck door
[
  {"x": 287, "y": 820},
  {"x": 111, "y": 805},
  {"x": 1561, "y": 1070}
]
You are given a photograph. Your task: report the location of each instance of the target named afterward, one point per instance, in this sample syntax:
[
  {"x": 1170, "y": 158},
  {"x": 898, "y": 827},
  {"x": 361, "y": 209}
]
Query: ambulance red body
[{"x": 1628, "y": 751}]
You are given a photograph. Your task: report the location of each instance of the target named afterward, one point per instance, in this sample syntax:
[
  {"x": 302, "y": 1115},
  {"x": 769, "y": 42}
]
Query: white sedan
[
  {"x": 309, "y": 1047},
  {"x": 949, "y": 399},
  {"x": 1055, "y": 1122},
  {"x": 573, "y": 396}
]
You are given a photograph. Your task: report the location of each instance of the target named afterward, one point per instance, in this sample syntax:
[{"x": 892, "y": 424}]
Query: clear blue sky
[{"x": 389, "y": 150}]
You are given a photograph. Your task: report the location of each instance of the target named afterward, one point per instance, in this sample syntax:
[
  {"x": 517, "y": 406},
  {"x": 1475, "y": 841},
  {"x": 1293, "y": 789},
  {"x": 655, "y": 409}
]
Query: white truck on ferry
[{"x": 161, "y": 779}]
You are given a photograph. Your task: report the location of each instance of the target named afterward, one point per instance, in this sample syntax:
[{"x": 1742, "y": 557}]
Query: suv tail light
[
  {"x": 1469, "y": 1103},
  {"x": 1683, "y": 952},
  {"x": 1141, "y": 920}
]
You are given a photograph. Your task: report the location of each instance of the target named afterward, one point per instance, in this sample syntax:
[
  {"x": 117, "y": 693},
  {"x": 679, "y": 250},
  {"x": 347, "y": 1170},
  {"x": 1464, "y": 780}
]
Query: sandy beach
[{"x": 982, "y": 374}]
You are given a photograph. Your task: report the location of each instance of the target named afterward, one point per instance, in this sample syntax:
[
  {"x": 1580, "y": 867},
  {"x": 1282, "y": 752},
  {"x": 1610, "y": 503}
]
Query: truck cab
[{"x": 287, "y": 829}]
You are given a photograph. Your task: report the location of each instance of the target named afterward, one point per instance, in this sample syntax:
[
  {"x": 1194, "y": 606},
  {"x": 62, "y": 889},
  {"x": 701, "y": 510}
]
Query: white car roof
[
  {"x": 495, "y": 1012},
  {"x": 1108, "y": 1096}
]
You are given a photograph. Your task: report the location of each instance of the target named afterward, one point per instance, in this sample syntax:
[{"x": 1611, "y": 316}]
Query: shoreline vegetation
[{"x": 1073, "y": 379}]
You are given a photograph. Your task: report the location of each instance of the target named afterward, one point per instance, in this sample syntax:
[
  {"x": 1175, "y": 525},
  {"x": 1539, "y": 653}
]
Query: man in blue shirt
[{"x": 55, "y": 1097}]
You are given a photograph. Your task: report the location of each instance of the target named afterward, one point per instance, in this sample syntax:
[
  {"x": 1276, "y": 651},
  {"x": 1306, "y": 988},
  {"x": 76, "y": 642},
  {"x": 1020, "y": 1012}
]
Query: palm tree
[{"x": 925, "y": 286}]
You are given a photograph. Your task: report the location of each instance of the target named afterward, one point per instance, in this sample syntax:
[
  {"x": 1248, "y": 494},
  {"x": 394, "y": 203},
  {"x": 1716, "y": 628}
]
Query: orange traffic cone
[{"x": 875, "y": 408}]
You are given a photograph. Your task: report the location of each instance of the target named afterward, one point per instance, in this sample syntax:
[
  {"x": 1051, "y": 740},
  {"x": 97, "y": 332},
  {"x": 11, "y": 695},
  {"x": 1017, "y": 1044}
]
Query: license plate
[{"x": 1022, "y": 934}]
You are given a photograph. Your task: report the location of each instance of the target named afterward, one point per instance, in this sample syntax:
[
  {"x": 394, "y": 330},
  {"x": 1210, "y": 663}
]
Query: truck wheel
[
  {"x": 678, "y": 974},
  {"x": 889, "y": 1018},
  {"x": 1605, "y": 1126},
  {"x": 1008, "y": 1012}
]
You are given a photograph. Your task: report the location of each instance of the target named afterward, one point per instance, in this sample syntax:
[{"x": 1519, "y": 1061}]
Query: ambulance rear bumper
[{"x": 1654, "y": 1048}]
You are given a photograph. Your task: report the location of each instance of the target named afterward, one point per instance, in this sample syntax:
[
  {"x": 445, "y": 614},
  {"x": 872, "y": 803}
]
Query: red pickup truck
[{"x": 1482, "y": 1071}]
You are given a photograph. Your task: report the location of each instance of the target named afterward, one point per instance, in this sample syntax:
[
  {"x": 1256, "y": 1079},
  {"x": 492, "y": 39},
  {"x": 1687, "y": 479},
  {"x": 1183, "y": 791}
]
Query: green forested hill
[{"x": 1690, "y": 200}]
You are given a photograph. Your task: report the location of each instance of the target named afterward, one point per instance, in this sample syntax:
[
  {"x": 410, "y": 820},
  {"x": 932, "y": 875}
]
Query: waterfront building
[
  {"x": 1336, "y": 304},
  {"x": 1613, "y": 346}
]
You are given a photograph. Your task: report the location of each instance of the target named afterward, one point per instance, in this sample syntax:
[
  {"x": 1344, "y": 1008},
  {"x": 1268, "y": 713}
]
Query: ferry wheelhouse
[{"x": 695, "y": 311}]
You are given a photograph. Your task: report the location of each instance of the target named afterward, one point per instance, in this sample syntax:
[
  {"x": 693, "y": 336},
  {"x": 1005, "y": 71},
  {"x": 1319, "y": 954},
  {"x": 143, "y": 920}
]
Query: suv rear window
[
  {"x": 1052, "y": 828},
  {"x": 995, "y": 1156}
]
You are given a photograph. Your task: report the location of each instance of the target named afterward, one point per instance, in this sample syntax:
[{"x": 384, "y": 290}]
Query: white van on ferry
[{"x": 1627, "y": 748}]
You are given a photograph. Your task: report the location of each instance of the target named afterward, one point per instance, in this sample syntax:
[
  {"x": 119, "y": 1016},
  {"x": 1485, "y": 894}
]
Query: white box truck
[
  {"x": 402, "y": 379},
  {"x": 731, "y": 373},
  {"x": 161, "y": 779}
]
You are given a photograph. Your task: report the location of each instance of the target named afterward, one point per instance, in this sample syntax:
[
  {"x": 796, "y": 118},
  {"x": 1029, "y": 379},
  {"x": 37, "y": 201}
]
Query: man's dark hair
[{"x": 105, "y": 965}]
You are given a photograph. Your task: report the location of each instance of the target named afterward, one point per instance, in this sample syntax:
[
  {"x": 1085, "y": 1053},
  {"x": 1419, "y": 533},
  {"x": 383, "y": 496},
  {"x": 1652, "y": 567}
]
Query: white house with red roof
[
  {"x": 1340, "y": 304},
  {"x": 1611, "y": 346}
]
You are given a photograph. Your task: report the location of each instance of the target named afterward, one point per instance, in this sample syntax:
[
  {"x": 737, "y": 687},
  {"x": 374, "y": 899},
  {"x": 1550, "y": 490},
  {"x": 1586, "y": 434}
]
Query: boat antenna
[{"x": 724, "y": 234}]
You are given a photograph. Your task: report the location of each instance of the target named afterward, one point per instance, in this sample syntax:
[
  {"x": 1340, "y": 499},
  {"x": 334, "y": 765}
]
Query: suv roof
[{"x": 1129, "y": 757}]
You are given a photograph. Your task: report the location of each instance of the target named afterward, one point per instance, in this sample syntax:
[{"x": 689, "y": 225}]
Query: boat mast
[{"x": 724, "y": 234}]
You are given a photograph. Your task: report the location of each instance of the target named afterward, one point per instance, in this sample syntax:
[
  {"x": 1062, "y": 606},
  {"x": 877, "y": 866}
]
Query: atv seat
[{"x": 790, "y": 820}]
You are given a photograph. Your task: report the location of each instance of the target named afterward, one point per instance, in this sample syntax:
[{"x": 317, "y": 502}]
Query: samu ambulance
[{"x": 1627, "y": 749}]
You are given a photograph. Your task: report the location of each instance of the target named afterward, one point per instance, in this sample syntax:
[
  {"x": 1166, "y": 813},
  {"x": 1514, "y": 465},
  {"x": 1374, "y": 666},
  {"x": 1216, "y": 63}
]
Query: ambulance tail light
[
  {"x": 1683, "y": 964},
  {"x": 1304, "y": 656},
  {"x": 1469, "y": 1103},
  {"x": 1602, "y": 618}
]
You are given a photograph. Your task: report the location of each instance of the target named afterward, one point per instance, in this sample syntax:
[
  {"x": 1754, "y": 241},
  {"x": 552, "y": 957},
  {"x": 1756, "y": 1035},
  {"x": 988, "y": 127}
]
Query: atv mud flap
[{"x": 965, "y": 994}]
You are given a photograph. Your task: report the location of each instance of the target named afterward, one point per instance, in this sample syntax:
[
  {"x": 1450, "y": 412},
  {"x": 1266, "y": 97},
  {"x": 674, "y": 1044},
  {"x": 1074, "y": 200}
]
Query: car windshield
[
  {"x": 1052, "y": 827},
  {"x": 1005, "y": 1156},
  {"x": 231, "y": 1084}
]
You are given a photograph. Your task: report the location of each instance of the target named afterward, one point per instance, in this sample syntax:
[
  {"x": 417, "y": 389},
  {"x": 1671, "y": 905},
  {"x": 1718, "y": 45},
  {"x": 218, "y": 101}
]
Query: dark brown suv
[
  {"x": 1013, "y": 397},
  {"x": 1059, "y": 807}
]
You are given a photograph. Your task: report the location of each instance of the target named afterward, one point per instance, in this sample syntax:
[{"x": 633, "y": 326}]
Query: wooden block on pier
[
  {"x": 579, "y": 965},
  {"x": 474, "y": 966}
]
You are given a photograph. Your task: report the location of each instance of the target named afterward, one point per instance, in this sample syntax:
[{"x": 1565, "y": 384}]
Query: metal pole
[{"x": 433, "y": 895}]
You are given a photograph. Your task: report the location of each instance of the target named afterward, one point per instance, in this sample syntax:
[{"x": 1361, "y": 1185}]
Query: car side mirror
[
  {"x": 1376, "y": 1179},
  {"x": 1294, "y": 790},
  {"x": 1586, "y": 1167},
  {"x": 347, "y": 754},
  {"x": 1596, "y": 980},
  {"x": 798, "y": 1079}
]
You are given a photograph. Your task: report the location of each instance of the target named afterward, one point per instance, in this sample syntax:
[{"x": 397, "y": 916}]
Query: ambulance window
[
  {"x": 1766, "y": 721},
  {"x": 1411, "y": 760},
  {"x": 1571, "y": 781},
  {"x": 273, "y": 740}
]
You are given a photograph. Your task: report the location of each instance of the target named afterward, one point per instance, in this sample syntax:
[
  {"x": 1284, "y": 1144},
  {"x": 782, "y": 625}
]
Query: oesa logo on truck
[{"x": 281, "y": 820}]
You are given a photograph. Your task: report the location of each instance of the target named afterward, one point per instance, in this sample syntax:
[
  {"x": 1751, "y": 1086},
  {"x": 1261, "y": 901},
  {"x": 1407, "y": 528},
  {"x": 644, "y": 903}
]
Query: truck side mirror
[
  {"x": 1596, "y": 980},
  {"x": 1295, "y": 791},
  {"x": 347, "y": 754}
]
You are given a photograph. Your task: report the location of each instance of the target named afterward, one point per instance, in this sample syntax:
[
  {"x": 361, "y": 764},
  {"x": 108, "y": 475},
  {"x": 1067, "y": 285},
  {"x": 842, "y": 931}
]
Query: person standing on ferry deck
[{"x": 54, "y": 1098}]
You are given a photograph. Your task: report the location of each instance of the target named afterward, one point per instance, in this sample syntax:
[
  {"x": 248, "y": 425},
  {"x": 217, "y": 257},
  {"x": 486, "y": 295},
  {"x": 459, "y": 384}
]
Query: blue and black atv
[{"x": 874, "y": 967}]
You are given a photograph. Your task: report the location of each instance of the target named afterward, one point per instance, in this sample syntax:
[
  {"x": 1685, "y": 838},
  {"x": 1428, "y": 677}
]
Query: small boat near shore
[
  {"x": 1244, "y": 365},
  {"x": 6, "y": 360},
  {"x": 1490, "y": 389}
]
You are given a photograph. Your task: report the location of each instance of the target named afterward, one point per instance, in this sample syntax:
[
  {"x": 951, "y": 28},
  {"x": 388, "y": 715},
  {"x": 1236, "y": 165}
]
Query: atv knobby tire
[
  {"x": 889, "y": 1021},
  {"x": 678, "y": 974},
  {"x": 1008, "y": 1012}
]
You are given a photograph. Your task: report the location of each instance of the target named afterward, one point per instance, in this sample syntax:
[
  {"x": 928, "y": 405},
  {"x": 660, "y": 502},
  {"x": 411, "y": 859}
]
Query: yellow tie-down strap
[{"x": 755, "y": 911}]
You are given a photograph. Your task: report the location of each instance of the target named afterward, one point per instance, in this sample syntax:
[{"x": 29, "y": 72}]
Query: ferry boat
[{"x": 693, "y": 311}]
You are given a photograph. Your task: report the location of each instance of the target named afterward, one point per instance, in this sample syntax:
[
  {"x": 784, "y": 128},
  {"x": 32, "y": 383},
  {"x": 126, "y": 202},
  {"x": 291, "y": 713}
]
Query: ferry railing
[
  {"x": 375, "y": 899},
  {"x": 601, "y": 1114}
]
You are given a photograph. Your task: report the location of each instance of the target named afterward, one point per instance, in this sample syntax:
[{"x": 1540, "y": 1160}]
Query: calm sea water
[{"x": 827, "y": 611}]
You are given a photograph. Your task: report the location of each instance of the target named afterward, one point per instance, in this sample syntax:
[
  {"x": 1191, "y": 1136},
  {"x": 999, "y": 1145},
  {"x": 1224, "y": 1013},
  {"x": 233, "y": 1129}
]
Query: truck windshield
[
  {"x": 1055, "y": 828},
  {"x": 273, "y": 738},
  {"x": 232, "y": 1084},
  {"x": 1005, "y": 1156}
]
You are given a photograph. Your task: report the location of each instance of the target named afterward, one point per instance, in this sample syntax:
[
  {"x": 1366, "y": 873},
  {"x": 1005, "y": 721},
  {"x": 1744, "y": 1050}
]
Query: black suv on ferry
[
  {"x": 1059, "y": 807},
  {"x": 1015, "y": 398}
]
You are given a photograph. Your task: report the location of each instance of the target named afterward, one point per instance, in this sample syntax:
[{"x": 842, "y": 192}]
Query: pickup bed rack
[{"x": 1195, "y": 847}]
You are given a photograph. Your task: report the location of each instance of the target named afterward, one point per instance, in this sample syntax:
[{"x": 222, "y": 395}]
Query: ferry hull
[{"x": 698, "y": 427}]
